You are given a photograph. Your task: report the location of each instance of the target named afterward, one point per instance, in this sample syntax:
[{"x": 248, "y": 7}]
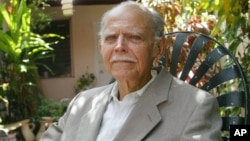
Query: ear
[
  {"x": 100, "y": 46},
  {"x": 161, "y": 47}
]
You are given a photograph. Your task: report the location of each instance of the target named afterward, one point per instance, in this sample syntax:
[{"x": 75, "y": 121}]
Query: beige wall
[{"x": 84, "y": 53}]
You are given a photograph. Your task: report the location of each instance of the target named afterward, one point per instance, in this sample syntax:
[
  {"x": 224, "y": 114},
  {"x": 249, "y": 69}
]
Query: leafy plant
[
  {"x": 49, "y": 108},
  {"x": 20, "y": 50},
  {"x": 84, "y": 82},
  {"x": 41, "y": 19}
]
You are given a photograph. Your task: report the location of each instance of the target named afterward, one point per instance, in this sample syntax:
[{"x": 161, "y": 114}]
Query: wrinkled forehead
[
  {"x": 131, "y": 13},
  {"x": 130, "y": 8}
]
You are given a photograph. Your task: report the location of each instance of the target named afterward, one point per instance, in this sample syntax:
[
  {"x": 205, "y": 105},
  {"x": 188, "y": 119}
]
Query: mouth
[{"x": 122, "y": 59}]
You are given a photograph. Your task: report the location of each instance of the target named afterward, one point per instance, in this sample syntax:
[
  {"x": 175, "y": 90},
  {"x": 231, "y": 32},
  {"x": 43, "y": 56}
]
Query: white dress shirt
[{"x": 118, "y": 111}]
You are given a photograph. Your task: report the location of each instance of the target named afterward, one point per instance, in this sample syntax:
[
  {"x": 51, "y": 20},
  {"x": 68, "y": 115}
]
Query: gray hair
[{"x": 155, "y": 18}]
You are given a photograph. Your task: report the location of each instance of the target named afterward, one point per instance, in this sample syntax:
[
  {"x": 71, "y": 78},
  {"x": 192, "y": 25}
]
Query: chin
[{"x": 123, "y": 76}]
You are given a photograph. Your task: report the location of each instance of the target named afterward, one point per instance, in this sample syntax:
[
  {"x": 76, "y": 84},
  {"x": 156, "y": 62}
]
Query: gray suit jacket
[{"x": 169, "y": 110}]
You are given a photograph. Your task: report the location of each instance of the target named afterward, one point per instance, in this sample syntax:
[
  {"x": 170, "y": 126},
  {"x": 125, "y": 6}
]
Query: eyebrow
[{"x": 133, "y": 32}]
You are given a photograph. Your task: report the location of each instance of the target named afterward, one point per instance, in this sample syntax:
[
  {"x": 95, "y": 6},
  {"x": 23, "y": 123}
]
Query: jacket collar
[
  {"x": 145, "y": 115},
  {"x": 94, "y": 116}
]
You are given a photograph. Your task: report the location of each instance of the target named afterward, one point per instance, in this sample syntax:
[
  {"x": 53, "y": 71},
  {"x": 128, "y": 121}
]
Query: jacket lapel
[
  {"x": 146, "y": 115},
  {"x": 92, "y": 119}
]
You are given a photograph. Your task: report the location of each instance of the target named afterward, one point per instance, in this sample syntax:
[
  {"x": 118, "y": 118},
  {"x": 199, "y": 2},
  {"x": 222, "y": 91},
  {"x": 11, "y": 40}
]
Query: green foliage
[
  {"x": 84, "y": 82},
  {"x": 20, "y": 48},
  {"x": 40, "y": 19},
  {"x": 49, "y": 108}
]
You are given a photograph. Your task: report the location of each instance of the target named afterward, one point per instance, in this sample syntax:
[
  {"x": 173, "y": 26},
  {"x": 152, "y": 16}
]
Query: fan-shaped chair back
[{"x": 203, "y": 62}]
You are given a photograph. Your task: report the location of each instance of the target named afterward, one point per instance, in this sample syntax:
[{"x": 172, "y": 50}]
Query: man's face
[{"x": 127, "y": 45}]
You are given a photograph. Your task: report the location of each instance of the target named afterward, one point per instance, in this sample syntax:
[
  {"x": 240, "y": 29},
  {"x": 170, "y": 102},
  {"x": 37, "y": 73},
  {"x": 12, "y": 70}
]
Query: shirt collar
[{"x": 114, "y": 91}]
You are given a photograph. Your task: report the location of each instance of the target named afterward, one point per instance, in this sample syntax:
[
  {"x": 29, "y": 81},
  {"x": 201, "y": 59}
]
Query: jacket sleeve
[
  {"x": 53, "y": 133},
  {"x": 205, "y": 122}
]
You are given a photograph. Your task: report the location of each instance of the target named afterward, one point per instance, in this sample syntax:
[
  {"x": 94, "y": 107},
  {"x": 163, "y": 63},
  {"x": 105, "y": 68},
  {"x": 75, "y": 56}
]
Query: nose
[{"x": 121, "y": 44}]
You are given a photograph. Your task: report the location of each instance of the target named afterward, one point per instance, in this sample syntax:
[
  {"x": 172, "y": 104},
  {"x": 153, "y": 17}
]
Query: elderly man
[{"x": 139, "y": 105}]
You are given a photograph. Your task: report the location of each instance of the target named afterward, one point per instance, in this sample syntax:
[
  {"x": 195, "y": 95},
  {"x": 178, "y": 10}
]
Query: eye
[
  {"x": 110, "y": 38},
  {"x": 135, "y": 38}
]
